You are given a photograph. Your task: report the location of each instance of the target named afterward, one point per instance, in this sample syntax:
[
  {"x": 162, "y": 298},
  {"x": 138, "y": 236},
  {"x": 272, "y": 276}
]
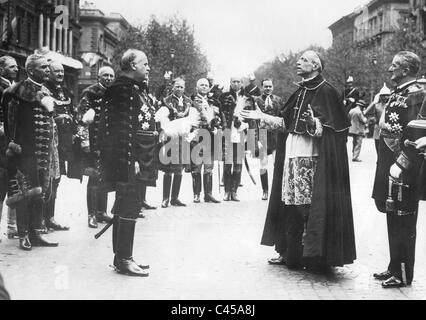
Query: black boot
[
  {"x": 208, "y": 189},
  {"x": 142, "y": 190},
  {"x": 227, "y": 181},
  {"x": 49, "y": 217},
  {"x": 167, "y": 181},
  {"x": 123, "y": 260},
  {"x": 265, "y": 186},
  {"x": 196, "y": 186},
  {"x": 177, "y": 180},
  {"x": 236, "y": 179},
  {"x": 36, "y": 225},
  {"x": 92, "y": 202}
]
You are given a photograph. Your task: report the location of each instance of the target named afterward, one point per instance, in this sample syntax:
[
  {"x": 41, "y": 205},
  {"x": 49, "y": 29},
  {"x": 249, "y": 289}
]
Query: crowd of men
[{"x": 117, "y": 134}]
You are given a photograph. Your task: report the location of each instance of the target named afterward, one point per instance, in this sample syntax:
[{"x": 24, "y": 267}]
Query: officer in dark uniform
[
  {"x": 65, "y": 115},
  {"x": 129, "y": 153},
  {"x": 32, "y": 151},
  {"x": 232, "y": 103},
  {"x": 252, "y": 89},
  {"x": 395, "y": 187},
  {"x": 175, "y": 106},
  {"x": 351, "y": 95},
  {"x": 8, "y": 72},
  {"x": 89, "y": 112},
  {"x": 270, "y": 104},
  {"x": 209, "y": 113}
]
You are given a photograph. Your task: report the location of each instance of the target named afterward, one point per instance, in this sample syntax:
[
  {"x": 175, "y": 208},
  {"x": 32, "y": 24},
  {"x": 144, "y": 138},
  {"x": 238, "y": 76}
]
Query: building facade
[
  {"x": 100, "y": 36},
  {"x": 49, "y": 27},
  {"x": 372, "y": 26}
]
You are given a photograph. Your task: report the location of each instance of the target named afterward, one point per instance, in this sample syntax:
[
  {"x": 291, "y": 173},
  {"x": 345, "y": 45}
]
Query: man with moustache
[
  {"x": 232, "y": 103},
  {"x": 8, "y": 72},
  {"x": 129, "y": 153},
  {"x": 32, "y": 150},
  {"x": 396, "y": 187},
  {"x": 64, "y": 116},
  {"x": 270, "y": 104},
  {"x": 309, "y": 218},
  {"x": 208, "y": 111},
  {"x": 89, "y": 112},
  {"x": 175, "y": 106}
]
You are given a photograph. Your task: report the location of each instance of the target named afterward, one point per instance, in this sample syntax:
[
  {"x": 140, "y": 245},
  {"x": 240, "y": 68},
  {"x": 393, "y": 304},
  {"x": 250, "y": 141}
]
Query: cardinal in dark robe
[{"x": 309, "y": 218}]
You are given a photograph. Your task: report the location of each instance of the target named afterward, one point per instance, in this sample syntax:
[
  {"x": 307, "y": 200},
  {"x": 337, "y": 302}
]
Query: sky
[{"x": 237, "y": 36}]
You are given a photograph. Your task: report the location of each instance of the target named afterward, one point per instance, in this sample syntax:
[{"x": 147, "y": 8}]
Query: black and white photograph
[{"x": 190, "y": 151}]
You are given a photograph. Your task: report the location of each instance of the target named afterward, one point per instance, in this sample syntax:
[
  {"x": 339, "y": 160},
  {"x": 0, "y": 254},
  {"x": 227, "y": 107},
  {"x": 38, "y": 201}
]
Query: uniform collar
[{"x": 405, "y": 85}]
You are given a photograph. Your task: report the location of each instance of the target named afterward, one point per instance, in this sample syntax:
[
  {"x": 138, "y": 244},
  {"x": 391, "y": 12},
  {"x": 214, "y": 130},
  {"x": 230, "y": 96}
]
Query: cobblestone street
[{"x": 204, "y": 251}]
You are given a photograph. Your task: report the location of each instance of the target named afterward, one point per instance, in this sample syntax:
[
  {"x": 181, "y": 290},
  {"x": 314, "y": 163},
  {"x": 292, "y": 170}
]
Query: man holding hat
[{"x": 358, "y": 121}]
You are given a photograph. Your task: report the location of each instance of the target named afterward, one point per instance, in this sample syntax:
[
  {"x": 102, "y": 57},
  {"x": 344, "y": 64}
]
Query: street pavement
[{"x": 205, "y": 251}]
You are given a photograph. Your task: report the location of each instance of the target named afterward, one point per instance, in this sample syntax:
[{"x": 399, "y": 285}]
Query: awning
[{"x": 56, "y": 56}]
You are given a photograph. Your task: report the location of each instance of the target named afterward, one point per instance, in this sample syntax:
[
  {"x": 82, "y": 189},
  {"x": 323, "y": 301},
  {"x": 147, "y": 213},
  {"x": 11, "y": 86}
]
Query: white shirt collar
[{"x": 36, "y": 83}]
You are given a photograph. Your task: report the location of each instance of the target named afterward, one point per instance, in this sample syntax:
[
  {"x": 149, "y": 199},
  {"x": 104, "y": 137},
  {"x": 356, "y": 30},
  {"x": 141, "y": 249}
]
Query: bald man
[
  {"x": 309, "y": 219},
  {"x": 89, "y": 112},
  {"x": 65, "y": 114}
]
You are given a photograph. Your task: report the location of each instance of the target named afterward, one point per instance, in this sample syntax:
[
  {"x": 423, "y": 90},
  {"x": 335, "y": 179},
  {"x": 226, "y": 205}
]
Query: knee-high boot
[
  {"x": 208, "y": 189},
  {"x": 142, "y": 190},
  {"x": 196, "y": 186},
  {"x": 123, "y": 260},
  {"x": 167, "y": 181},
  {"x": 92, "y": 202},
  {"x": 177, "y": 181},
  {"x": 36, "y": 208},
  {"x": 265, "y": 185},
  {"x": 22, "y": 223},
  {"x": 236, "y": 179}
]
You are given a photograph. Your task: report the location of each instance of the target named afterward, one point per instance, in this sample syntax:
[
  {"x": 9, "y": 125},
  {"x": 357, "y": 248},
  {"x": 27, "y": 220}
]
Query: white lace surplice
[{"x": 299, "y": 169}]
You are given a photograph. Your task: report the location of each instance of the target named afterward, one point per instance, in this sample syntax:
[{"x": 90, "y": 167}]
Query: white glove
[
  {"x": 395, "y": 172},
  {"x": 89, "y": 117},
  {"x": 376, "y": 98},
  {"x": 137, "y": 168}
]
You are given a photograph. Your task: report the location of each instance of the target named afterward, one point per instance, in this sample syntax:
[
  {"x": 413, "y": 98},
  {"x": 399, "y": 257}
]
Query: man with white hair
[
  {"x": 64, "y": 115},
  {"x": 396, "y": 188},
  {"x": 90, "y": 112},
  {"x": 309, "y": 218},
  {"x": 32, "y": 151},
  {"x": 232, "y": 103},
  {"x": 208, "y": 110}
]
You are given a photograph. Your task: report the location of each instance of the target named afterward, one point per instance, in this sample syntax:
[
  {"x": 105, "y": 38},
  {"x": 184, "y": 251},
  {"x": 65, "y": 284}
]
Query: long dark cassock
[
  {"x": 403, "y": 106},
  {"x": 128, "y": 135},
  {"x": 329, "y": 236},
  {"x": 30, "y": 126}
]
